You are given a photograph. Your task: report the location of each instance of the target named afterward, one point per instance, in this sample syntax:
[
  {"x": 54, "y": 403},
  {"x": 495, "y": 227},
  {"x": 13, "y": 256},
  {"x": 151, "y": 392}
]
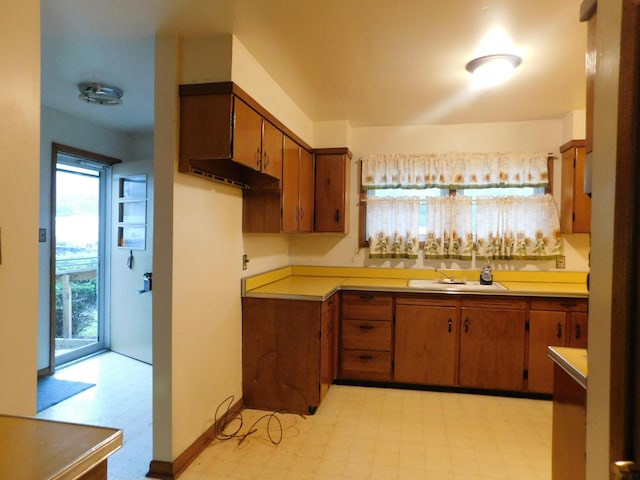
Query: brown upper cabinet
[
  {"x": 297, "y": 188},
  {"x": 332, "y": 190},
  {"x": 227, "y": 136},
  {"x": 575, "y": 208},
  {"x": 256, "y": 142}
]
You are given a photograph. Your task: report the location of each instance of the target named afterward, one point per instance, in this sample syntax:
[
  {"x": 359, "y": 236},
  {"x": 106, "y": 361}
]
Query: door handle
[
  {"x": 559, "y": 334},
  {"x": 450, "y": 325},
  {"x": 466, "y": 325}
]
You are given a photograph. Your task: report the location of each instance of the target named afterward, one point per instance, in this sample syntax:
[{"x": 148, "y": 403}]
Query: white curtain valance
[{"x": 455, "y": 170}]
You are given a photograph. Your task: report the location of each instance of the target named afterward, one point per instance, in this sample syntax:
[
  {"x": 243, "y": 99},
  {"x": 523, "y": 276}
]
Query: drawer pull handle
[
  {"x": 365, "y": 357},
  {"x": 578, "y": 331},
  {"x": 568, "y": 304},
  {"x": 450, "y": 325},
  {"x": 366, "y": 327},
  {"x": 559, "y": 334},
  {"x": 466, "y": 325}
]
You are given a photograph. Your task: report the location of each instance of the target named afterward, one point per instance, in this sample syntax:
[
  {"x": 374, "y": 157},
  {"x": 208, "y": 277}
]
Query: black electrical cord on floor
[{"x": 226, "y": 420}]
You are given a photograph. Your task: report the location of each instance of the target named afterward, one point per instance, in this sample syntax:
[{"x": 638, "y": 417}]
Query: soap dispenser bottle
[{"x": 486, "y": 275}]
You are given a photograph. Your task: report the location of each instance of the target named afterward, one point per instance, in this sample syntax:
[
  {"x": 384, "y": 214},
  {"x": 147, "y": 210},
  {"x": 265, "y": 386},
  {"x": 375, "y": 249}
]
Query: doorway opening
[{"x": 79, "y": 269}]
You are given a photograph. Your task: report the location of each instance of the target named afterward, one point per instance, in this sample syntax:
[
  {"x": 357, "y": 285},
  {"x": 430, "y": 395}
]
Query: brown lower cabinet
[
  {"x": 294, "y": 349},
  {"x": 427, "y": 340},
  {"x": 569, "y": 437},
  {"x": 288, "y": 353},
  {"x": 476, "y": 342},
  {"x": 560, "y": 322},
  {"x": 366, "y": 336},
  {"x": 492, "y": 342}
]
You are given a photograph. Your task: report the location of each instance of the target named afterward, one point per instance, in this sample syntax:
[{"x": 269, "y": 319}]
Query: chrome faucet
[{"x": 442, "y": 272}]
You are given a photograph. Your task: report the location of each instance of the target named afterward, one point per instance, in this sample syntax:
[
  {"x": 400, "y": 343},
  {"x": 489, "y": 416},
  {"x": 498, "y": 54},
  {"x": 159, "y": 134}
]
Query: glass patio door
[{"x": 78, "y": 328}]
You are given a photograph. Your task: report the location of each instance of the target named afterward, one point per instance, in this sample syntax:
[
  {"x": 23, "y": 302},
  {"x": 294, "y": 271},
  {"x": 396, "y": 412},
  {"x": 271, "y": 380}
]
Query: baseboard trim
[{"x": 171, "y": 470}]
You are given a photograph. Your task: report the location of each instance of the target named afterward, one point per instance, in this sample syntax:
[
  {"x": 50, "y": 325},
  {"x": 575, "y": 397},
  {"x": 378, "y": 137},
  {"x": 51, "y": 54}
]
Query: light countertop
[
  {"x": 573, "y": 361},
  {"x": 33, "y": 448},
  {"x": 318, "y": 283}
]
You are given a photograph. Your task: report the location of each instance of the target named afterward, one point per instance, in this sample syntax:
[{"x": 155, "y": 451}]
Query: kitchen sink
[{"x": 470, "y": 285}]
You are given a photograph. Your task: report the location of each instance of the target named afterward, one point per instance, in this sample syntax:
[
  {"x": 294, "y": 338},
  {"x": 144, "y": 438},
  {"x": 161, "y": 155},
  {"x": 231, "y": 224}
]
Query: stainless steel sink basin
[{"x": 471, "y": 285}]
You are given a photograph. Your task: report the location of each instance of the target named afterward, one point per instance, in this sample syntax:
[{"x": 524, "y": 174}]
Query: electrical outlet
[
  {"x": 560, "y": 261},
  {"x": 245, "y": 260}
]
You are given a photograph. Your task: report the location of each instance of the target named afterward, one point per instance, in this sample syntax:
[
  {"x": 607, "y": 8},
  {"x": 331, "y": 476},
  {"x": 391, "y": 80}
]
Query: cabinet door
[
  {"x": 281, "y": 354},
  {"x": 247, "y": 135},
  {"x": 578, "y": 330},
  {"x": 492, "y": 345},
  {"x": 272, "y": 150},
  {"x": 331, "y": 190},
  {"x": 205, "y": 128},
  {"x": 575, "y": 205},
  {"x": 425, "y": 344},
  {"x": 328, "y": 344},
  {"x": 545, "y": 328},
  {"x": 305, "y": 191},
  {"x": 290, "y": 193}
]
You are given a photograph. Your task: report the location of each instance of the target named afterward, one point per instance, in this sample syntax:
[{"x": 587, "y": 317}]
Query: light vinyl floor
[
  {"x": 388, "y": 434},
  {"x": 356, "y": 433}
]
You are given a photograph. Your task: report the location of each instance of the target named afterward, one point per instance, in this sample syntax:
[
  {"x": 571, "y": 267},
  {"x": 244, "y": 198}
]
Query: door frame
[
  {"x": 624, "y": 432},
  {"x": 99, "y": 159}
]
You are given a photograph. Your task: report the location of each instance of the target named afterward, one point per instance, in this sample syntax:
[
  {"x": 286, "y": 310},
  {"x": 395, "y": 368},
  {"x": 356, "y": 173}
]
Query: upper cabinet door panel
[
  {"x": 272, "y": 150},
  {"x": 247, "y": 139},
  {"x": 290, "y": 209},
  {"x": 306, "y": 186},
  {"x": 205, "y": 127},
  {"x": 332, "y": 192}
]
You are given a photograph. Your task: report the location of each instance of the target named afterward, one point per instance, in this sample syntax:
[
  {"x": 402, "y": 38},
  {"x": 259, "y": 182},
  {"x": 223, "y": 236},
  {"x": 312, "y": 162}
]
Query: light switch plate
[{"x": 42, "y": 235}]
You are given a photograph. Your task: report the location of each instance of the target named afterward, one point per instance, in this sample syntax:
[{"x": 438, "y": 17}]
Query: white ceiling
[{"x": 371, "y": 62}]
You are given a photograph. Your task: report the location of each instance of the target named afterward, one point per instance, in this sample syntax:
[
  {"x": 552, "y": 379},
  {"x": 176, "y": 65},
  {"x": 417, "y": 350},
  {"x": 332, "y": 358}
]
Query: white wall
[
  {"x": 65, "y": 129},
  {"x": 198, "y": 248},
  {"x": 543, "y": 135},
  {"x": 19, "y": 181}
]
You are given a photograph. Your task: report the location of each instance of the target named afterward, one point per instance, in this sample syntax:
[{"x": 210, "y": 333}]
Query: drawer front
[
  {"x": 367, "y": 306},
  {"x": 561, "y": 304},
  {"x": 511, "y": 303},
  {"x": 366, "y": 365},
  {"x": 366, "y": 335}
]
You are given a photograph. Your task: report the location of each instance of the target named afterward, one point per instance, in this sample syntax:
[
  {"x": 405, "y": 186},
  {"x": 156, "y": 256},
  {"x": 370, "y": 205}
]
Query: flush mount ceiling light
[
  {"x": 100, "y": 94},
  {"x": 491, "y": 70}
]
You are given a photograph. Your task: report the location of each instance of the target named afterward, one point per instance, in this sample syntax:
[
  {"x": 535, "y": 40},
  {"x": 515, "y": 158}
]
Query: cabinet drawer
[
  {"x": 366, "y": 335},
  {"x": 366, "y": 365},
  {"x": 367, "y": 306},
  {"x": 490, "y": 302},
  {"x": 560, "y": 304}
]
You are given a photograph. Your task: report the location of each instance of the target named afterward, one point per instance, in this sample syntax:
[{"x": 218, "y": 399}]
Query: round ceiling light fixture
[
  {"x": 100, "y": 94},
  {"x": 491, "y": 70}
]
